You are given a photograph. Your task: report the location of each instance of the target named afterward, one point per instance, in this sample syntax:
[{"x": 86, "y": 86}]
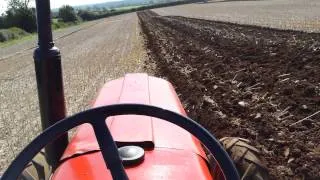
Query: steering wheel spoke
[{"x": 108, "y": 148}]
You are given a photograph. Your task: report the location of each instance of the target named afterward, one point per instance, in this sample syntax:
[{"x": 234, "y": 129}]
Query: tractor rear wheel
[
  {"x": 37, "y": 169},
  {"x": 246, "y": 158}
]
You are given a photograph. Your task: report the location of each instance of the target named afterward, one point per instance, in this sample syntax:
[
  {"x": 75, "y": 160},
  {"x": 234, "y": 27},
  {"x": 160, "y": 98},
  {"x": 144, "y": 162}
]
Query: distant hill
[{"x": 118, "y": 4}]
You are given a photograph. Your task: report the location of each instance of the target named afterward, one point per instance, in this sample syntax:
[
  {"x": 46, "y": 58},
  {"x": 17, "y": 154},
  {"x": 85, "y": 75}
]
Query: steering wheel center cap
[{"x": 131, "y": 155}]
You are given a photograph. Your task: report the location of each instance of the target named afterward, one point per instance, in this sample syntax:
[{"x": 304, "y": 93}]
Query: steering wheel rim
[{"x": 97, "y": 117}]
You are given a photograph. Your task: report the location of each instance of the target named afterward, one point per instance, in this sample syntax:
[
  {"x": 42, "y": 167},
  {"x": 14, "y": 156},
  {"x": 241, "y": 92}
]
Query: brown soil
[{"x": 245, "y": 81}]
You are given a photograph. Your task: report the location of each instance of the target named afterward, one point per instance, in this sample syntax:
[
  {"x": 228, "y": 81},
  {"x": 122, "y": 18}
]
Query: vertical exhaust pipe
[{"x": 47, "y": 60}]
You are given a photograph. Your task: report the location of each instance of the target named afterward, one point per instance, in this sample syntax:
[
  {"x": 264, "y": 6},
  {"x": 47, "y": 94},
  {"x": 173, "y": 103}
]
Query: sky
[{"x": 58, "y": 3}]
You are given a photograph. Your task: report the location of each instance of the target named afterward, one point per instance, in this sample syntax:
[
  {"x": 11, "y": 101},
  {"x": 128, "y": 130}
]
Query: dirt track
[
  {"x": 245, "y": 81},
  {"x": 90, "y": 57}
]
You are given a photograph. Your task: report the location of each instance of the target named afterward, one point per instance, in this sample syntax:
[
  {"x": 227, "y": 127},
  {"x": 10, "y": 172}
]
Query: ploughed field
[{"x": 257, "y": 83}]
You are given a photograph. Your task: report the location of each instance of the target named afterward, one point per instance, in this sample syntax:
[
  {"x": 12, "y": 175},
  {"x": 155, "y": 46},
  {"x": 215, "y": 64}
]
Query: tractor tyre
[
  {"x": 37, "y": 169},
  {"x": 246, "y": 158}
]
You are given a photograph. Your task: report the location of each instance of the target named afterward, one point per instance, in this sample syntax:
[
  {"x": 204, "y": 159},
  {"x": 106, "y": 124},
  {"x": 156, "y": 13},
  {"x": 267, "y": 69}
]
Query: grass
[
  {"x": 11, "y": 34},
  {"x": 20, "y": 37},
  {"x": 56, "y": 24},
  {"x": 127, "y": 8},
  {"x": 15, "y": 41}
]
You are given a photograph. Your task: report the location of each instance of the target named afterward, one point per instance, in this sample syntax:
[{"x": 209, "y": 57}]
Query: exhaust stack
[{"x": 47, "y": 60}]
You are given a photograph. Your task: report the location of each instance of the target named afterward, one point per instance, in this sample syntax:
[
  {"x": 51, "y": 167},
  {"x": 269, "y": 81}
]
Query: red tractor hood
[{"x": 171, "y": 152}]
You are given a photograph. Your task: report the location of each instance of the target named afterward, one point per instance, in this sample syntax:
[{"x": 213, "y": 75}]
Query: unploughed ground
[
  {"x": 92, "y": 54},
  {"x": 300, "y": 15},
  {"x": 246, "y": 81}
]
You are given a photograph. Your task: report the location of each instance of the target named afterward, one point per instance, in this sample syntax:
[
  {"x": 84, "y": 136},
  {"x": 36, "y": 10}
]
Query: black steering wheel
[{"x": 97, "y": 117}]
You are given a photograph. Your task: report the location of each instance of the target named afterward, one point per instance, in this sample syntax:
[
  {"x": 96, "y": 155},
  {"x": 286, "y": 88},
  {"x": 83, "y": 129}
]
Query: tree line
[
  {"x": 20, "y": 14},
  {"x": 90, "y": 15}
]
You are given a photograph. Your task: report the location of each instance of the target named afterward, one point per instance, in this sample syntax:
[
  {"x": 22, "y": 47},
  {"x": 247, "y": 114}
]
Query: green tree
[
  {"x": 20, "y": 15},
  {"x": 86, "y": 15},
  {"x": 18, "y": 4},
  {"x": 67, "y": 14},
  {"x": 2, "y": 22}
]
